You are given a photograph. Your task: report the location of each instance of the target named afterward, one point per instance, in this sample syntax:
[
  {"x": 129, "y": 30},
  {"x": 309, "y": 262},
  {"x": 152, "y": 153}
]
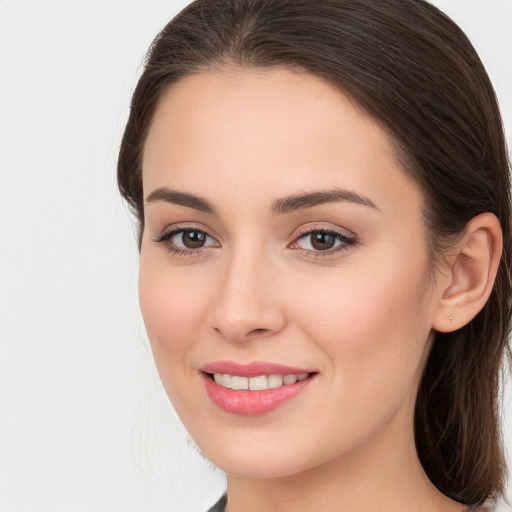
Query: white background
[{"x": 84, "y": 424}]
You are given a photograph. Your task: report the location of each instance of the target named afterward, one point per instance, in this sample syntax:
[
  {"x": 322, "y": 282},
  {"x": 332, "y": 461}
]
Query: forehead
[{"x": 270, "y": 129}]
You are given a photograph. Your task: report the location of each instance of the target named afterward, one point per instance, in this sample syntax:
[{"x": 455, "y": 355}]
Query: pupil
[
  {"x": 193, "y": 239},
  {"x": 322, "y": 241}
]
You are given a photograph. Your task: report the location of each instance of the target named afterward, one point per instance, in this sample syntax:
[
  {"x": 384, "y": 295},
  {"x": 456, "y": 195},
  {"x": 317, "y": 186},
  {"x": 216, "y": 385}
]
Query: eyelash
[
  {"x": 345, "y": 242},
  {"x": 165, "y": 239}
]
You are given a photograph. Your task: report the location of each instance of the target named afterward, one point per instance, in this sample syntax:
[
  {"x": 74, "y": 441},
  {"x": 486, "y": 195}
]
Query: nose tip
[
  {"x": 240, "y": 319},
  {"x": 241, "y": 330},
  {"x": 247, "y": 306}
]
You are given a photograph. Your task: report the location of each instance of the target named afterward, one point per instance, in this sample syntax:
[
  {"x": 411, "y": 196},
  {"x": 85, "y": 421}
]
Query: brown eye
[
  {"x": 193, "y": 239},
  {"x": 186, "y": 241},
  {"x": 322, "y": 241}
]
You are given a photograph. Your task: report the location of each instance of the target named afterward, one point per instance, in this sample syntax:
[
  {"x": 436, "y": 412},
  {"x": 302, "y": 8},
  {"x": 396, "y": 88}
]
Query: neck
[{"x": 385, "y": 474}]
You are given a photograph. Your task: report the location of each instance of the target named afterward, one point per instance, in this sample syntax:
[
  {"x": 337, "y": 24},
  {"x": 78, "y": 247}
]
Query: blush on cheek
[
  {"x": 362, "y": 320},
  {"x": 168, "y": 321},
  {"x": 173, "y": 307}
]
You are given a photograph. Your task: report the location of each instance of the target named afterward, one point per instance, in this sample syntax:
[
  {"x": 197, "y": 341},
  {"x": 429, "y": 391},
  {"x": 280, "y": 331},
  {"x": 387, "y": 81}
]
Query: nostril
[
  {"x": 258, "y": 331},
  {"x": 244, "y": 323}
]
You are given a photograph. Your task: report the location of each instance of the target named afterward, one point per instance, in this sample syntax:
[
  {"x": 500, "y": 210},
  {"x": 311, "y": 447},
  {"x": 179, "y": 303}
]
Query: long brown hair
[{"x": 411, "y": 68}]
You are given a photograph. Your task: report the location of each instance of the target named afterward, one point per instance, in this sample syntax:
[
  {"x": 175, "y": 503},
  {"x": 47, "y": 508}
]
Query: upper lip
[{"x": 252, "y": 369}]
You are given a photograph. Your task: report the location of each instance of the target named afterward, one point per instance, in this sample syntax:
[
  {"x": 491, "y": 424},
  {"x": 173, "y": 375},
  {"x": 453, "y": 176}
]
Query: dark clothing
[{"x": 219, "y": 506}]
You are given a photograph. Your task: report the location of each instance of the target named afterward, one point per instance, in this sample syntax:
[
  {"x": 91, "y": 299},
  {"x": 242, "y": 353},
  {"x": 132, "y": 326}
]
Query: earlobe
[{"x": 472, "y": 268}]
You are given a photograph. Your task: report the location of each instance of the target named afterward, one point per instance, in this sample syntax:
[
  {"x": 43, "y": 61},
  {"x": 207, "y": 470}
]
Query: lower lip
[{"x": 251, "y": 403}]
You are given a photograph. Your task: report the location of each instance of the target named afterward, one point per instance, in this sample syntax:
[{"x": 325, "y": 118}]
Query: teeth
[
  {"x": 239, "y": 382},
  {"x": 226, "y": 380},
  {"x": 258, "y": 383},
  {"x": 274, "y": 381},
  {"x": 289, "y": 379}
]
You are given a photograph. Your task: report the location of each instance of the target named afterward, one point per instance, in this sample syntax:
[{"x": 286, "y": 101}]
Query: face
[{"x": 284, "y": 252}]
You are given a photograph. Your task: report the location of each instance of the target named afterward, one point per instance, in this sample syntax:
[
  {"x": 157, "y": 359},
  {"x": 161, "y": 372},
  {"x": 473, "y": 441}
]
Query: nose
[{"x": 246, "y": 305}]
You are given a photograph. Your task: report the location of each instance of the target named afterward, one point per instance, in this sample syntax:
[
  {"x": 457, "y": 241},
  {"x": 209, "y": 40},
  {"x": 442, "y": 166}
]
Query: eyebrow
[
  {"x": 280, "y": 206},
  {"x": 308, "y": 200},
  {"x": 181, "y": 199}
]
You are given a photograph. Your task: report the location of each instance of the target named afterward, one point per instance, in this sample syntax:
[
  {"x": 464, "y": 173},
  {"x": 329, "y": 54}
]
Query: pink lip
[
  {"x": 251, "y": 403},
  {"x": 253, "y": 369}
]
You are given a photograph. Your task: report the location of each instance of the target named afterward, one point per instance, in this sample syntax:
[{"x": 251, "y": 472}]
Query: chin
[
  {"x": 247, "y": 459},
  {"x": 256, "y": 467},
  {"x": 258, "y": 460}
]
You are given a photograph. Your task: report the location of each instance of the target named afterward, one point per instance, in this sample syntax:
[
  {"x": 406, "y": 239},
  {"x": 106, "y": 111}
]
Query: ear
[{"x": 470, "y": 273}]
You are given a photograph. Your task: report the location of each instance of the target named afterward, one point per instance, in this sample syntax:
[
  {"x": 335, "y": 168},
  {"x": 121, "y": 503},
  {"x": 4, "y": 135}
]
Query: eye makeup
[
  {"x": 323, "y": 241},
  {"x": 186, "y": 241},
  {"x": 315, "y": 241}
]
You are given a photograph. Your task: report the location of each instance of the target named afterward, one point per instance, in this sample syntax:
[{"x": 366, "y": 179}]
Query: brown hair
[{"x": 416, "y": 72}]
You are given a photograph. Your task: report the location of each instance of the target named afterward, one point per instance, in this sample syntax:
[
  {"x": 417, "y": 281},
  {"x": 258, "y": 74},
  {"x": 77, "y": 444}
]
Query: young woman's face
[{"x": 282, "y": 241}]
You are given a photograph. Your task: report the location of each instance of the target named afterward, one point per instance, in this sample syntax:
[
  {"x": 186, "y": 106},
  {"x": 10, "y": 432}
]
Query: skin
[{"x": 361, "y": 315}]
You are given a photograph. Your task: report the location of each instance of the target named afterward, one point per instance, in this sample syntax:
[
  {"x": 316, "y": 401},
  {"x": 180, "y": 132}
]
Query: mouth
[
  {"x": 253, "y": 389},
  {"x": 257, "y": 383}
]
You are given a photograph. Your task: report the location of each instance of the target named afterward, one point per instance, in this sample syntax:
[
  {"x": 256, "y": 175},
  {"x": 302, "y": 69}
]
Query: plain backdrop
[{"x": 84, "y": 424}]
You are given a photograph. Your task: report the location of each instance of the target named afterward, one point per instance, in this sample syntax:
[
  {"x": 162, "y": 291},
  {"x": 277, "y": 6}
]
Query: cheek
[
  {"x": 372, "y": 325},
  {"x": 173, "y": 308}
]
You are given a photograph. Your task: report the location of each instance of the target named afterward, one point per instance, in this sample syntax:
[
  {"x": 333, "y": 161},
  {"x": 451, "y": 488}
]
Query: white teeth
[
  {"x": 239, "y": 382},
  {"x": 289, "y": 379},
  {"x": 226, "y": 380},
  {"x": 274, "y": 381},
  {"x": 258, "y": 383}
]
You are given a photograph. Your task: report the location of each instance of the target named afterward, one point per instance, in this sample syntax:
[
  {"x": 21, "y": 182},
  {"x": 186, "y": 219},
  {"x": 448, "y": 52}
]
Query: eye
[
  {"x": 188, "y": 240},
  {"x": 323, "y": 240}
]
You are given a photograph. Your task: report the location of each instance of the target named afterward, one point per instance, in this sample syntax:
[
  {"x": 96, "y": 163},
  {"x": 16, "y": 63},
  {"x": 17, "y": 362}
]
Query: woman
[{"x": 322, "y": 190}]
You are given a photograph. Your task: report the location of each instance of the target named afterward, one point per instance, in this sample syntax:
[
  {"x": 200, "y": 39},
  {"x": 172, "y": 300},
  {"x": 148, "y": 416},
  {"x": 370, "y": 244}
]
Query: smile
[
  {"x": 257, "y": 383},
  {"x": 255, "y": 388}
]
